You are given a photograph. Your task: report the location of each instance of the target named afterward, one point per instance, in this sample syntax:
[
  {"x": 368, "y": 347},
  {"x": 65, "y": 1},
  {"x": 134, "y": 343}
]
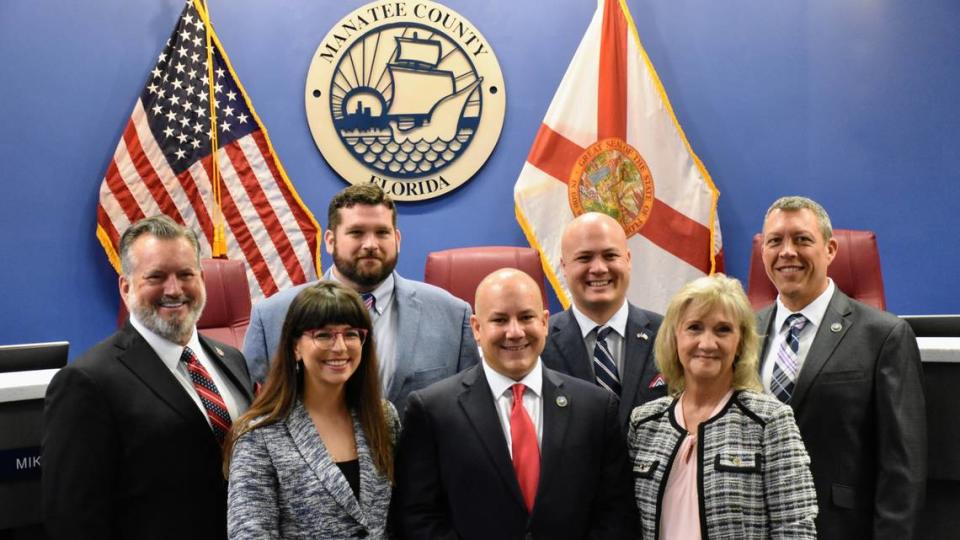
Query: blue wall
[{"x": 853, "y": 103}]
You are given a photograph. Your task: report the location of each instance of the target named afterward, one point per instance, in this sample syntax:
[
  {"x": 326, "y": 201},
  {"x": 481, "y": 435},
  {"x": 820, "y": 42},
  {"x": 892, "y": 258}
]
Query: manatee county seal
[{"x": 405, "y": 94}]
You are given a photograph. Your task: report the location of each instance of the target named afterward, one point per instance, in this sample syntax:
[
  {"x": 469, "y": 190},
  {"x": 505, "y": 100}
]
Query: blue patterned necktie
[
  {"x": 370, "y": 301},
  {"x": 787, "y": 363},
  {"x": 604, "y": 366}
]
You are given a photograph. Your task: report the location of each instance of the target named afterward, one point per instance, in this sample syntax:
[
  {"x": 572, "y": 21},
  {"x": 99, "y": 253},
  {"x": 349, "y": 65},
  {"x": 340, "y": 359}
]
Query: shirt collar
[
  {"x": 168, "y": 351},
  {"x": 813, "y": 312},
  {"x": 499, "y": 383},
  {"x": 382, "y": 295},
  {"x": 618, "y": 322}
]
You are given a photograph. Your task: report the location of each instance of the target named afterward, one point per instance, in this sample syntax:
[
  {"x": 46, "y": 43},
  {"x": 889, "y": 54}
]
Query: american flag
[{"x": 163, "y": 164}]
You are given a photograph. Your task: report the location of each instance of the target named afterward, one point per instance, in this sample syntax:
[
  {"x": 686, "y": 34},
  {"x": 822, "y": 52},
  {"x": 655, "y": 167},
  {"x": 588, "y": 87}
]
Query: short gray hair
[
  {"x": 794, "y": 203},
  {"x": 160, "y": 227}
]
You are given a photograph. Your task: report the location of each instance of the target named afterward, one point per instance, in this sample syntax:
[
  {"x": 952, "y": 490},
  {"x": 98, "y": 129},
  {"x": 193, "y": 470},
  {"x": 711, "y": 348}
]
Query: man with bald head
[
  {"x": 603, "y": 338},
  {"x": 510, "y": 448}
]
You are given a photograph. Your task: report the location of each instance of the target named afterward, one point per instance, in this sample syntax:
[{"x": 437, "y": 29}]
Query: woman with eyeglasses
[{"x": 313, "y": 456}]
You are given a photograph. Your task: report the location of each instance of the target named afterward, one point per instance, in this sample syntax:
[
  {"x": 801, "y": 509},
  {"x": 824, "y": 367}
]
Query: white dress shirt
[
  {"x": 615, "y": 339},
  {"x": 501, "y": 387},
  {"x": 813, "y": 312},
  {"x": 170, "y": 353}
]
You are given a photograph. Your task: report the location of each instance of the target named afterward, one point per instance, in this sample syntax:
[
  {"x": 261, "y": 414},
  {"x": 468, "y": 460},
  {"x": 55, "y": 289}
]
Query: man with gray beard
[{"x": 133, "y": 429}]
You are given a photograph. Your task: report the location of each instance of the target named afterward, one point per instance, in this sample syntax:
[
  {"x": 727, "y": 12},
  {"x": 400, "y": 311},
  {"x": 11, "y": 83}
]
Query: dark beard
[{"x": 365, "y": 280}]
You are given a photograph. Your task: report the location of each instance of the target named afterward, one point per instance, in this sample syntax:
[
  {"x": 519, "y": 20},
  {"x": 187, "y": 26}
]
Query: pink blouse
[{"x": 680, "y": 516}]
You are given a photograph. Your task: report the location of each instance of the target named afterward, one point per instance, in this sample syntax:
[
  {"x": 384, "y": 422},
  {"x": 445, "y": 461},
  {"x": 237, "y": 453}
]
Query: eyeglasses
[{"x": 326, "y": 338}]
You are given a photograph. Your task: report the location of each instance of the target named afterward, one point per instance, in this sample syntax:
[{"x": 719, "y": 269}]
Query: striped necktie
[
  {"x": 209, "y": 395},
  {"x": 604, "y": 366},
  {"x": 787, "y": 363},
  {"x": 370, "y": 301}
]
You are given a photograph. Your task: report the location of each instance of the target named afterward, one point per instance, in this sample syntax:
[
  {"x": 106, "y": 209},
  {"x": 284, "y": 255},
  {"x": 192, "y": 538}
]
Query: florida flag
[{"x": 611, "y": 143}]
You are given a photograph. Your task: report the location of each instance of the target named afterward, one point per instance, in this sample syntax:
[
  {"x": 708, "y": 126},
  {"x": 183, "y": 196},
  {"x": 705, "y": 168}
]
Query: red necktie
[
  {"x": 526, "y": 452},
  {"x": 209, "y": 395}
]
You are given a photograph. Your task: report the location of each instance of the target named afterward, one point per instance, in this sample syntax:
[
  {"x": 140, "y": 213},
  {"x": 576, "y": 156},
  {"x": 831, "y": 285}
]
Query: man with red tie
[
  {"x": 509, "y": 448},
  {"x": 133, "y": 429}
]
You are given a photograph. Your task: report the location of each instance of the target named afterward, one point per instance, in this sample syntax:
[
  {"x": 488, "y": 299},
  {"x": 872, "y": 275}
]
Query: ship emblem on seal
[
  {"x": 611, "y": 177},
  {"x": 407, "y": 95}
]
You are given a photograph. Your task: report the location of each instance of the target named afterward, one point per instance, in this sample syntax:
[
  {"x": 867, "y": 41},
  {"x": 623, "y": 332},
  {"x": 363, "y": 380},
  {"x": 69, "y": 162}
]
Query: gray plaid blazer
[
  {"x": 753, "y": 471},
  {"x": 283, "y": 484}
]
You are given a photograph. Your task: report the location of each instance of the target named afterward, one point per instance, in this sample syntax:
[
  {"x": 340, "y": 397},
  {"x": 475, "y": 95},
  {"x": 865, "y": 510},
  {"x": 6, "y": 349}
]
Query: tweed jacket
[
  {"x": 284, "y": 484},
  {"x": 753, "y": 472}
]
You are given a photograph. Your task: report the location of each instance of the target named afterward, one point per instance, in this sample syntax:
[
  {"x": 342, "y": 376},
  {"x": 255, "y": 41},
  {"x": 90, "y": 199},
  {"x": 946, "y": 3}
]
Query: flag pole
[{"x": 219, "y": 246}]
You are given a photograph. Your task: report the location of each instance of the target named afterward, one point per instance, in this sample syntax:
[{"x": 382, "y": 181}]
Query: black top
[{"x": 351, "y": 470}]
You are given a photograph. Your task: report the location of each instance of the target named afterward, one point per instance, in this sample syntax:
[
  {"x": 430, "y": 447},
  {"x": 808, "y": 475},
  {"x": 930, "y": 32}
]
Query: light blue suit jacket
[
  {"x": 284, "y": 484},
  {"x": 434, "y": 340}
]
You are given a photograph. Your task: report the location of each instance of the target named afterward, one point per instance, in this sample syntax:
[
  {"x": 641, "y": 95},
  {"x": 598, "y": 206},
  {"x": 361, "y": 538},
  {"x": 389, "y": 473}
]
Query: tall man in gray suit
[
  {"x": 596, "y": 265},
  {"x": 422, "y": 332},
  {"x": 852, "y": 375}
]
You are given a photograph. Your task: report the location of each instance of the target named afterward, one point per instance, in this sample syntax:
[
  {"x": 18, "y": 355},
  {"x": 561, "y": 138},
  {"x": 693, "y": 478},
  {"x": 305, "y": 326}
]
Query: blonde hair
[{"x": 706, "y": 294}]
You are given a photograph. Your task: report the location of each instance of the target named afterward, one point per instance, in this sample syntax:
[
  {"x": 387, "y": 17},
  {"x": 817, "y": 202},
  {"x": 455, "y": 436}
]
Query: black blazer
[
  {"x": 126, "y": 451},
  {"x": 566, "y": 352},
  {"x": 860, "y": 407},
  {"x": 455, "y": 478}
]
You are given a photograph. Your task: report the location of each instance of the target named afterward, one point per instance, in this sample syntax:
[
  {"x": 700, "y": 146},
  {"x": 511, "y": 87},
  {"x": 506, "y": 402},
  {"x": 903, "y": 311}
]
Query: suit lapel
[
  {"x": 408, "y": 313},
  {"x": 476, "y": 400},
  {"x": 314, "y": 453},
  {"x": 636, "y": 355},
  {"x": 835, "y": 324},
  {"x": 764, "y": 321},
  {"x": 228, "y": 365},
  {"x": 141, "y": 359},
  {"x": 368, "y": 472},
  {"x": 556, "y": 418},
  {"x": 570, "y": 346}
]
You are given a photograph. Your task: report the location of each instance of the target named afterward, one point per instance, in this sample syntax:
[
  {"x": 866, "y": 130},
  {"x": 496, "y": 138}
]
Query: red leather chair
[
  {"x": 459, "y": 271},
  {"x": 855, "y": 269},
  {"x": 227, "y": 313}
]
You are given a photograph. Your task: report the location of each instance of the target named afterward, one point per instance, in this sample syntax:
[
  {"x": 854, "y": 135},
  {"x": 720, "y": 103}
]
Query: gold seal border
[{"x": 370, "y": 17}]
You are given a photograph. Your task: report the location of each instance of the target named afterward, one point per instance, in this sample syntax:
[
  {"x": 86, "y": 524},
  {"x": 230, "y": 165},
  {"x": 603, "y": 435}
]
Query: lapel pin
[
  {"x": 643, "y": 336},
  {"x": 219, "y": 350},
  {"x": 562, "y": 401},
  {"x": 836, "y": 327}
]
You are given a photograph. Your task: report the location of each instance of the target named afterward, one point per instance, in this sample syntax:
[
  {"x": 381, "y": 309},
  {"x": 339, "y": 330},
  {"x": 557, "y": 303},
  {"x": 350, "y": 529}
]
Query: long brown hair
[{"x": 325, "y": 303}]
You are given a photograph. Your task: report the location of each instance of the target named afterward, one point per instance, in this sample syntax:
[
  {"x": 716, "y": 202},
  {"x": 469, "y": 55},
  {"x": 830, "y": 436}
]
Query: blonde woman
[{"x": 717, "y": 458}]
